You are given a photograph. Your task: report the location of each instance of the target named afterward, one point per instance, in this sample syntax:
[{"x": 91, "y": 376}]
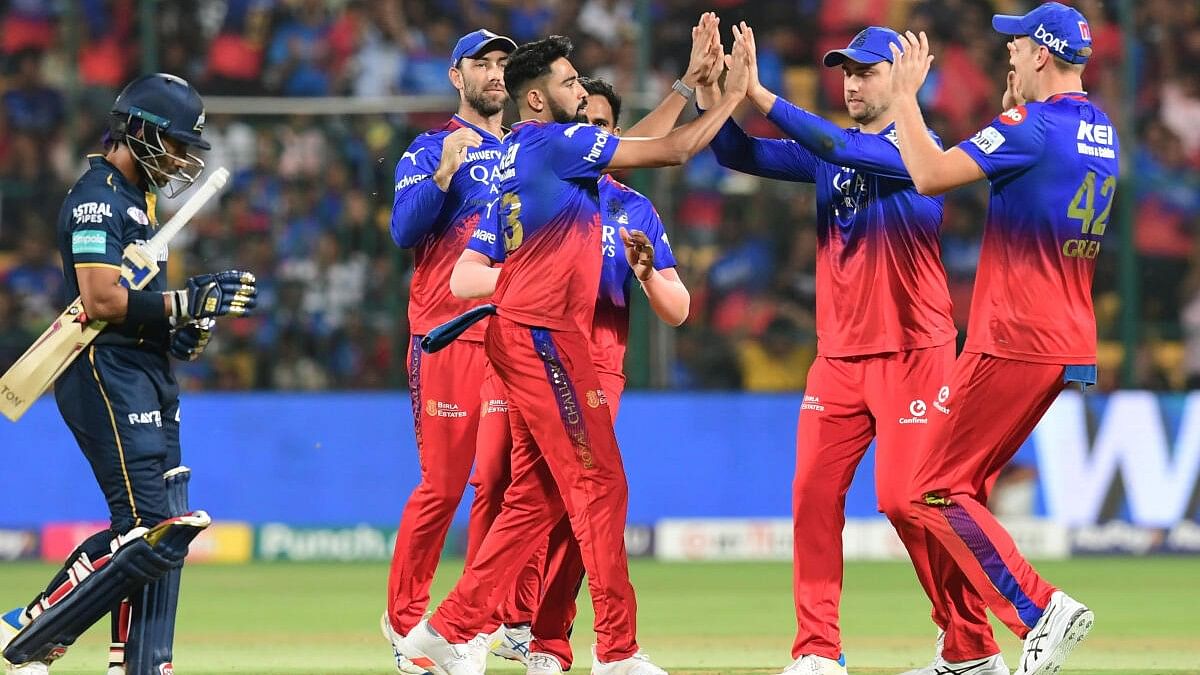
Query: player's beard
[
  {"x": 484, "y": 102},
  {"x": 869, "y": 113},
  {"x": 561, "y": 115}
]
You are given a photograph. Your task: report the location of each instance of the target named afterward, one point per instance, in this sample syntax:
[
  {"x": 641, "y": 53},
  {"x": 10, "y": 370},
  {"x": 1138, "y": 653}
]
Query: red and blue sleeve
[
  {"x": 486, "y": 238},
  {"x": 1012, "y": 142},
  {"x": 418, "y": 200},
  {"x": 766, "y": 157},
  {"x": 580, "y": 150}
]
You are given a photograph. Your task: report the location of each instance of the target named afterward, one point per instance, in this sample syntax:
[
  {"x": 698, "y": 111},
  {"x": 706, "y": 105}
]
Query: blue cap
[
  {"x": 1059, "y": 28},
  {"x": 869, "y": 46},
  {"x": 475, "y": 44}
]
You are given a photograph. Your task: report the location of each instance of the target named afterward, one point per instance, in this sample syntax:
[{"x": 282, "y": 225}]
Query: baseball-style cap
[
  {"x": 473, "y": 45},
  {"x": 1059, "y": 28},
  {"x": 869, "y": 46}
]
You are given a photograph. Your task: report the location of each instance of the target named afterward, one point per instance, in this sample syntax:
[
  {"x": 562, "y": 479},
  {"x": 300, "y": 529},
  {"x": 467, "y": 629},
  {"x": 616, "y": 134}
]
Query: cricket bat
[{"x": 72, "y": 331}]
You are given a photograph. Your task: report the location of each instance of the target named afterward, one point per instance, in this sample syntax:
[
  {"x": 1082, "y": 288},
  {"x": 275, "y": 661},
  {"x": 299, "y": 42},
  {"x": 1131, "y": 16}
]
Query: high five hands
[{"x": 910, "y": 64}]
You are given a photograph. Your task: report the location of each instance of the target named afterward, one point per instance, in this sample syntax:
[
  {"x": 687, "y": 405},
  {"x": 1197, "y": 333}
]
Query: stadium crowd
[{"x": 308, "y": 207}]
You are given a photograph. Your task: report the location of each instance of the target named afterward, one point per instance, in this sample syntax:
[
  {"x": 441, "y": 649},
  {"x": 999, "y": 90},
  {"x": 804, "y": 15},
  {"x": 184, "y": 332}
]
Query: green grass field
[{"x": 319, "y": 619}]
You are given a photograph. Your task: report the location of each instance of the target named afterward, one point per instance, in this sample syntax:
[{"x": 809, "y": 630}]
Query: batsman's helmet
[{"x": 161, "y": 105}]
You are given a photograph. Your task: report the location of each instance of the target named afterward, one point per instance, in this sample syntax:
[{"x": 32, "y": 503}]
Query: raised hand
[
  {"x": 737, "y": 82},
  {"x": 910, "y": 66},
  {"x": 190, "y": 339},
  {"x": 1012, "y": 93},
  {"x": 455, "y": 147},
  {"x": 706, "y": 51},
  {"x": 211, "y": 295},
  {"x": 639, "y": 253}
]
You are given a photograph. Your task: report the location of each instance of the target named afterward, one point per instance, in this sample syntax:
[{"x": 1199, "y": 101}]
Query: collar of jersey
[
  {"x": 1073, "y": 95},
  {"x": 128, "y": 189},
  {"x": 455, "y": 119}
]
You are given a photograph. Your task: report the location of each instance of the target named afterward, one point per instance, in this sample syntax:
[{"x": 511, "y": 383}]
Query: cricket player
[
  {"x": 568, "y": 462},
  {"x": 119, "y": 397},
  {"x": 1051, "y": 159},
  {"x": 885, "y": 339},
  {"x": 634, "y": 245},
  {"x": 444, "y": 181}
]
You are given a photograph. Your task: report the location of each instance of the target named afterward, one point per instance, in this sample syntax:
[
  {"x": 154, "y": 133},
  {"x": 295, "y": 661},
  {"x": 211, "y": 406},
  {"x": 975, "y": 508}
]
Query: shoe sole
[
  {"x": 420, "y": 666},
  {"x": 509, "y": 654},
  {"x": 1077, "y": 629}
]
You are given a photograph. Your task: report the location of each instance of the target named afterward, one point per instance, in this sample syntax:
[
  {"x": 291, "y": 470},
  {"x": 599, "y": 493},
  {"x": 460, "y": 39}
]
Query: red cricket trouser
[
  {"x": 991, "y": 407},
  {"x": 444, "y": 389},
  {"x": 847, "y": 401},
  {"x": 564, "y": 459}
]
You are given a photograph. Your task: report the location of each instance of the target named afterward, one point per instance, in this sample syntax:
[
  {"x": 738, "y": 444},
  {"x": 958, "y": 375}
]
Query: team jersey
[
  {"x": 881, "y": 286},
  {"x": 546, "y": 226},
  {"x": 1053, "y": 168},
  {"x": 621, "y": 206},
  {"x": 436, "y": 224},
  {"x": 102, "y": 214}
]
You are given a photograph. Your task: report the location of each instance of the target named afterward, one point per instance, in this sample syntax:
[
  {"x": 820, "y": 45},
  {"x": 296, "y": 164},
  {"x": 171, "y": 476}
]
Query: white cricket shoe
[
  {"x": 991, "y": 665},
  {"x": 401, "y": 652},
  {"x": 538, "y": 663},
  {"x": 1063, "y": 625},
  {"x": 811, "y": 664},
  {"x": 10, "y": 625},
  {"x": 447, "y": 659},
  {"x": 638, "y": 664},
  {"x": 511, "y": 642}
]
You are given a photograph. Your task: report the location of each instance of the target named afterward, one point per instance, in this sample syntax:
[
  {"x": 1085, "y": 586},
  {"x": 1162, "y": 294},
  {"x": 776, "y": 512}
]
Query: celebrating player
[
  {"x": 885, "y": 339},
  {"x": 443, "y": 184},
  {"x": 550, "y": 223},
  {"x": 1051, "y": 158},
  {"x": 543, "y": 599},
  {"x": 120, "y": 399}
]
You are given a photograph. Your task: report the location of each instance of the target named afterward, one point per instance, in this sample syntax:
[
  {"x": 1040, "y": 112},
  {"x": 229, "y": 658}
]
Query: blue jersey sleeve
[
  {"x": 418, "y": 200},
  {"x": 643, "y": 216},
  {"x": 487, "y": 237},
  {"x": 1012, "y": 142},
  {"x": 766, "y": 157},
  {"x": 580, "y": 150},
  {"x": 877, "y": 154},
  {"x": 96, "y": 225}
]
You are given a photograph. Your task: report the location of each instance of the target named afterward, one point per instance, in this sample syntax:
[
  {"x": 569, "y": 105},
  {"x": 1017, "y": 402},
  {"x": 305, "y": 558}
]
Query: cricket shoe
[
  {"x": 811, "y": 664},
  {"x": 401, "y": 652},
  {"x": 1063, "y": 625},
  {"x": 991, "y": 665},
  {"x": 447, "y": 659},
  {"x": 538, "y": 663},
  {"x": 511, "y": 642},
  {"x": 638, "y": 664},
  {"x": 10, "y": 625}
]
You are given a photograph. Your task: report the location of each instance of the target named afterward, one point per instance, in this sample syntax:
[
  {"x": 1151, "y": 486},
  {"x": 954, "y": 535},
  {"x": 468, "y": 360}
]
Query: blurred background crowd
[{"x": 308, "y": 207}]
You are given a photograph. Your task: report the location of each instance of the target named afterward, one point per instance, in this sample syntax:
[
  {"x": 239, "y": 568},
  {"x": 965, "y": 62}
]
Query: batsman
[{"x": 119, "y": 397}]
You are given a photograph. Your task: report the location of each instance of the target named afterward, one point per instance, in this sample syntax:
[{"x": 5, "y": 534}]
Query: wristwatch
[{"x": 683, "y": 90}]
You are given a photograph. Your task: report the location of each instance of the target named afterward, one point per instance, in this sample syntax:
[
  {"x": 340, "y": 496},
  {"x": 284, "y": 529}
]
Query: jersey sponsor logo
[
  {"x": 89, "y": 241},
  {"x": 409, "y": 181},
  {"x": 412, "y": 155},
  {"x": 493, "y": 406},
  {"x": 608, "y": 241},
  {"x": 916, "y": 410},
  {"x": 485, "y": 176},
  {"x": 443, "y": 409},
  {"x": 1085, "y": 31},
  {"x": 1055, "y": 44},
  {"x": 850, "y": 195},
  {"x": 139, "y": 216},
  {"x": 988, "y": 140},
  {"x": 596, "y": 398},
  {"x": 893, "y": 136},
  {"x": 484, "y": 236},
  {"x": 508, "y": 161},
  {"x": 1014, "y": 116},
  {"x": 488, "y": 154},
  {"x": 569, "y": 132},
  {"x": 91, "y": 212},
  {"x": 597, "y": 148},
  {"x": 149, "y": 417},
  {"x": 1091, "y": 137},
  {"x": 940, "y": 402},
  {"x": 812, "y": 403}
]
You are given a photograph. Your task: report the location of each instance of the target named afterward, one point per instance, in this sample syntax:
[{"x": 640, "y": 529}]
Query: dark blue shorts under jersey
[{"x": 122, "y": 404}]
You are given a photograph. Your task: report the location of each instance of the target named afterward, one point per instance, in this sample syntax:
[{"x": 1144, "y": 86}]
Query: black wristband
[{"x": 145, "y": 308}]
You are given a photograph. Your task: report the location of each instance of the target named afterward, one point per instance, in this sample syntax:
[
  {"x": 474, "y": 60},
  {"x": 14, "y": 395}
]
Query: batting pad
[{"x": 92, "y": 593}]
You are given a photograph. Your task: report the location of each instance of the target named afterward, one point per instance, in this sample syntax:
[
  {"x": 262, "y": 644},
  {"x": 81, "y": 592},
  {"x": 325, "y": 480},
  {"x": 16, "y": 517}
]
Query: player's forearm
[
  {"x": 414, "y": 211},
  {"x": 669, "y": 299},
  {"x": 661, "y": 120},
  {"x": 922, "y": 157},
  {"x": 470, "y": 280},
  {"x": 685, "y": 141},
  {"x": 762, "y": 98}
]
